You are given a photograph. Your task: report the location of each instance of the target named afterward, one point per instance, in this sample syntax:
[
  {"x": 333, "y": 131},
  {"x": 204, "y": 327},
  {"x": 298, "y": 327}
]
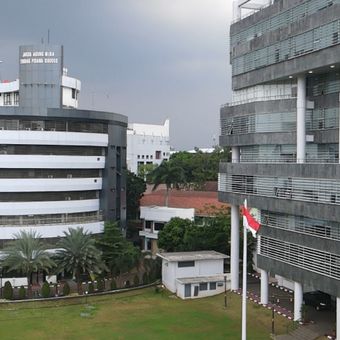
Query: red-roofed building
[{"x": 182, "y": 203}]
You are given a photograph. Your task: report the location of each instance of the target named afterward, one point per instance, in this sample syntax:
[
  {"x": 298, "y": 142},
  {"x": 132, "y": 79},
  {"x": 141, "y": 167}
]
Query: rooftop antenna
[
  {"x": 48, "y": 36},
  {"x": 42, "y": 41}
]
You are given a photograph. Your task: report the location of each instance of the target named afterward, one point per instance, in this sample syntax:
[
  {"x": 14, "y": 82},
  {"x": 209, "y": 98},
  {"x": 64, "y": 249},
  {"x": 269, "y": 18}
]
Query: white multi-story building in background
[{"x": 147, "y": 144}]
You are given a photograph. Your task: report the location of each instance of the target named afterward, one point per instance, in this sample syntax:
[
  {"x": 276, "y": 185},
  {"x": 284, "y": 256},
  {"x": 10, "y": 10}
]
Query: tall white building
[{"x": 147, "y": 144}]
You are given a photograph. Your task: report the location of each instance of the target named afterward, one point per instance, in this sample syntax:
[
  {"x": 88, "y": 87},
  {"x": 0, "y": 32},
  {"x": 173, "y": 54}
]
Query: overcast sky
[{"x": 147, "y": 59}]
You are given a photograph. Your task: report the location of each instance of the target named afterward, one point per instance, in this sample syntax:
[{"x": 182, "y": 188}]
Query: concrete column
[
  {"x": 338, "y": 318},
  {"x": 235, "y": 233},
  {"x": 145, "y": 243},
  {"x": 235, "y": 247},
  {"x": 298, "y": 300},
  {"x": 235, "y": 154},
  {"x": 264, "y": 287},
  {"x": 300, "y": 120}
]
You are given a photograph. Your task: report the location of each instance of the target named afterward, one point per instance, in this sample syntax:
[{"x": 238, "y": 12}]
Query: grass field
[{"x": 141, "y": 314}]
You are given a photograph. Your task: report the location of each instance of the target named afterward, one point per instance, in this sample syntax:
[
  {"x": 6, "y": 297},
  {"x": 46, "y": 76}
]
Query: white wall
[
  {"x": 168, "y": 274},
  {"x": 50, "y": 230},
  {"x": 53, "y": 138},
  {"x": 48, "y": 207},
  {"x": 49, "y": 184},
  {"x": 165, "y": 214},
  {"x": 143, "y": 140},
  {"x": 51, "y": 162}
]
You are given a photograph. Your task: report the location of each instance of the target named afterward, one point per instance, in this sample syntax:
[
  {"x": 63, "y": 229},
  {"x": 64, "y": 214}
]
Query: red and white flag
[{"x": 249, "y": 221}]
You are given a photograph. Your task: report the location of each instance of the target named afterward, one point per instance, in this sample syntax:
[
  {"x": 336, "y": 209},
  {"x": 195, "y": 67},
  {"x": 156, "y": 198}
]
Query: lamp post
[
  {"x": 225, "y": 292},
  {"x": 273, "y": 315}
]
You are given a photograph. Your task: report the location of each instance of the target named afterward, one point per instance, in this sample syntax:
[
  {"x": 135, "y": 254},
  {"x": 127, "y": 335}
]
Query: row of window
[
  {"x": 313, "y": 40},
  {"x": 10, "y": 99},
  {"x": 301, "y": 224},
  {"x": 313, "y": 260},
  {"x": 158, "y": 155},
  {"x": 286, "y": 153},
  {"x": 284, "y": 18},
  {"x": 317, "y": 119},
  {"x": 83, "y": 217},
  {"x": 49, "y": 173},
  {"x": 53, "y": 125},
  {"x": 51, "y": 150},
  {"x": 292, "y": 188},
  {"x": 48, "y": 196}
]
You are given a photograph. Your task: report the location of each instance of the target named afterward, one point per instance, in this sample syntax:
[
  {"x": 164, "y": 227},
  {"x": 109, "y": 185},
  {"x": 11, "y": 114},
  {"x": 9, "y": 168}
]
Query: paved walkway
[{"x": 282, "y": 301}]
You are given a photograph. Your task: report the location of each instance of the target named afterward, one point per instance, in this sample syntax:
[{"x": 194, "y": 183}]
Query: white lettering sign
[{"x": 26, "y": 57}]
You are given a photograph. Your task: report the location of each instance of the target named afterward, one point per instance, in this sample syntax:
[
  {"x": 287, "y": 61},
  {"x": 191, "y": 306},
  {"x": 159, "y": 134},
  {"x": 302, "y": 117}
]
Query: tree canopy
[
  {"x": 184, "y": 235},
  {"x": 169, "y": 174},
  {"x": 27, "y": 254},
  {"x": 78, "y": 254},
  {"x": 119, "y": 254},
  {"x": 135, "y": 188}
]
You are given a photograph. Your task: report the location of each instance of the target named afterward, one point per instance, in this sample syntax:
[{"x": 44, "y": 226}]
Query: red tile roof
[{"x": 205, "y": 203}]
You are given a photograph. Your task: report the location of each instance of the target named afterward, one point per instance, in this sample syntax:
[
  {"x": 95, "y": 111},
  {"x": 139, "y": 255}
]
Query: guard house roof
[{"x": 192, "y": 256}]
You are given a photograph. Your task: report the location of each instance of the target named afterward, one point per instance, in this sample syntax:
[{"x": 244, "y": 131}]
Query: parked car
[{"x": 319, "y": 300}]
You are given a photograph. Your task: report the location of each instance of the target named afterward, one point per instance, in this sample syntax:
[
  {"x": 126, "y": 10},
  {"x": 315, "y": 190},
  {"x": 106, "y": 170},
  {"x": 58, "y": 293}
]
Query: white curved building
[{"x": 60, "y": 167}]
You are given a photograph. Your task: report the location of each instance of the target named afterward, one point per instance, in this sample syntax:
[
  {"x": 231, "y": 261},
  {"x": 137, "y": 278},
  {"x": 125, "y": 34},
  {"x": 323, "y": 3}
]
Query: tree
[
  {"x": 78, "y": 254},
  {"x": 184, "y": 235},
  {"x": 168, "y": 174},
  {"x": 135, "y": 188},
  {"x": 171, "y": 237},
  {"x": 199, "y": 167},
  {"x": 28, "y": 255},
  {"x": 119, "y": 254}
]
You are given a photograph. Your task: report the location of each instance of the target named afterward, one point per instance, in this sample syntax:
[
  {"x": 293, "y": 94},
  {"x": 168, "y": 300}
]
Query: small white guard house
[{"x": 194, "y": 274}]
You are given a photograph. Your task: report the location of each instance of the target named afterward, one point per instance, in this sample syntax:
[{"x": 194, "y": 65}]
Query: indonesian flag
[{"x": 249, "y": 221}]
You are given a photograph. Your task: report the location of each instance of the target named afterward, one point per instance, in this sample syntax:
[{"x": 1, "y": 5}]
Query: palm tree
[
  {"x": 78, "y": 254},
  {"x": 28, "y": 255},
  {"x": 168, "y": 174}
]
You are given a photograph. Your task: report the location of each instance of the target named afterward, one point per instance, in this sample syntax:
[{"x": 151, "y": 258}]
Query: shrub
[
  {"x": 136, "y": 280},
  {"x": 8, "y": 291},
  {"x": 90, "y": 288},
  {"x": 45, "y": 290},
  {"x": 100, "y": 285},
  {"x": 66, "y": 289},
  {"x": 22, "y": 292},
  {"x": 113, "y": 284}
]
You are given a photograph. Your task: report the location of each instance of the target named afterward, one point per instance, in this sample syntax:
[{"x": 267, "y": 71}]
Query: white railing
[
  {"x": 301, "y": 225},
  {"x": 300, "y": 189},
  {"x": 314, "y": 260}
]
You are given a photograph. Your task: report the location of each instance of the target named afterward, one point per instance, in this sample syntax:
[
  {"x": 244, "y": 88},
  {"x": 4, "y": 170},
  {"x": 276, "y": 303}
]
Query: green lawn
[{"x": 141, "y": 314}]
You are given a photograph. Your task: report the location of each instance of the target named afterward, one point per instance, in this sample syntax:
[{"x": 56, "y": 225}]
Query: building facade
[
  {"x": 60, "y": 167},
  {"x": 147, "y": 144},
  {"x": 283, "y": 128}
]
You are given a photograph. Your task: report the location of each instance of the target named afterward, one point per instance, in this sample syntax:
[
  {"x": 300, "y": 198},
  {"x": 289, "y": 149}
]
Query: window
[
  {"x": 203, "y": 286},
  {"x": 148, "y": 224},
  {"x": 158, "y": 154},
  {"x": 183, "y": 264},
  {"x": 7, "y": 99},
  {"x": 73, "y": 93},
  {"x": 16, "y": 98},
  {"x": 158, "y": 226},
  {"x": 212, "y": 286}
]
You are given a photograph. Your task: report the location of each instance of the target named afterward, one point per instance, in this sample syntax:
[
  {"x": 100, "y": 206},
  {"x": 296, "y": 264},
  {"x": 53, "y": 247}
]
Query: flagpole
[{"x": 244, "y": 282}]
